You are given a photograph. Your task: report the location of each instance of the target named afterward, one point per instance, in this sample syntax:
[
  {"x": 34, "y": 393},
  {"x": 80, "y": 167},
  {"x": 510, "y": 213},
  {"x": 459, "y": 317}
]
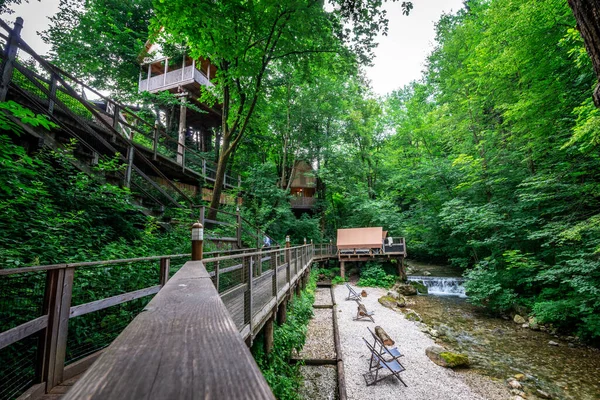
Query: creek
[{"x": 500, "y": 348}]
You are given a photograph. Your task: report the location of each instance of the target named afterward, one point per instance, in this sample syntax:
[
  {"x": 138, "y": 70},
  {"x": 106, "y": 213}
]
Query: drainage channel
[{"x": 323, "y": 369}]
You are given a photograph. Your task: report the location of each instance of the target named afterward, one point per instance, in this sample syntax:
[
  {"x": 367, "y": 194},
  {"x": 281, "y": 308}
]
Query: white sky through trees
[{"x": 399, "y": 59}]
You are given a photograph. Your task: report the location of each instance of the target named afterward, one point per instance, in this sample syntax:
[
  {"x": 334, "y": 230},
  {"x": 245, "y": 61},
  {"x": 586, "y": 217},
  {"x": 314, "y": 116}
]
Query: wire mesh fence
[
  {"x": 21, "y": 300},
  {"x": 17, "y": 367}
]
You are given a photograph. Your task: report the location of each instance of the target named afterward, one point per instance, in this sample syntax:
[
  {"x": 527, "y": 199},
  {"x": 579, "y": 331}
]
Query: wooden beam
[
  {"x": 22, "y": 331},
  {"x": 183, "y": 345},
  {"x": 87, "y": 308}
]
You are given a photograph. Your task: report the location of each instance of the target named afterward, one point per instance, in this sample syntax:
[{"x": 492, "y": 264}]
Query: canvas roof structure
[{"x": 360, "y": 238}]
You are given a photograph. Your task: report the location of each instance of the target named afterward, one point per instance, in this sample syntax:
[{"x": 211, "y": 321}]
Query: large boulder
[
  {"x": 406, "y": 290},
  {"x": 391, "y": 302},
  {"x": 519, "y": 320},
  {"x": 445, "y": 358}
]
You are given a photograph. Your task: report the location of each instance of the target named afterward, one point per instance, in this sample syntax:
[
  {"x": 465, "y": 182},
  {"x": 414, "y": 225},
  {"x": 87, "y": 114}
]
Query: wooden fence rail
[{"x": 251, "y": 286}]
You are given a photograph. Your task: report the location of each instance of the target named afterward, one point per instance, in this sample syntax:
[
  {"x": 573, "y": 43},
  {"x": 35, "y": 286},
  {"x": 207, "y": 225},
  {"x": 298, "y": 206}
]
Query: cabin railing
[
  {"x": 45, "y": 340},
  {"x": 303, "y": 202}
]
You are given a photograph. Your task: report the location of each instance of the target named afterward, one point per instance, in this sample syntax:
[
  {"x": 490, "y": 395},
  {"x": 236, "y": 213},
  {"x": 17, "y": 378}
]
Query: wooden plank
[
  {"x": 80, "y": 366},
  {"x": 212, "y": 221},
  {"x": 87, "y": 308},
  {"x": 33, "y": 393},
  {"x": 184, "y": 345},
  {"x": 22, "y": 331}
]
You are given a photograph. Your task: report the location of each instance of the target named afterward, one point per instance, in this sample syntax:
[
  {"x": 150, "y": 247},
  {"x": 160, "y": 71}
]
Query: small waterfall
[{"x": 441, "y": 286}]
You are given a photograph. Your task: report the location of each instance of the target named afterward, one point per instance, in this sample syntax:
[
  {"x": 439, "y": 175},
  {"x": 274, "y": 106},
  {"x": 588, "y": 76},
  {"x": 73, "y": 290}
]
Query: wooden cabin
[
  {"x": 187, "y": 78},
  {"x": 369, "y": 244},
  {"x": 303, "y": 187}
]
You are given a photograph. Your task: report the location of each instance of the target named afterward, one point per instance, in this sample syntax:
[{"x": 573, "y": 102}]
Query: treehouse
[
  {"x": 303, "y": 187},
  {"x": 186, "y": 78},
  {"x": 198, "y": 124}
]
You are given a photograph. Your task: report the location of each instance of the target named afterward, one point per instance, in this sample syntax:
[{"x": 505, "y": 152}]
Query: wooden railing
[
  {"x": 303, "y": 202},
  {"x": 51, "y": 90},
  {"x": 186, "y": 326}
]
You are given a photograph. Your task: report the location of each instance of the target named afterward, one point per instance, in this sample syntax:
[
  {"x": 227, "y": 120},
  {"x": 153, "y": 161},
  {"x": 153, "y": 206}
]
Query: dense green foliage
[
  {"x": 283, "y": 377},
  {"x": 373, "y": 274},
  {"x": 493, "y": 163}
]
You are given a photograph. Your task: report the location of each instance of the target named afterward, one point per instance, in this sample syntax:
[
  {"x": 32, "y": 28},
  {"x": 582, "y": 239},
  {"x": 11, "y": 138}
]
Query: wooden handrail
[{"x": 183, "y": 345}]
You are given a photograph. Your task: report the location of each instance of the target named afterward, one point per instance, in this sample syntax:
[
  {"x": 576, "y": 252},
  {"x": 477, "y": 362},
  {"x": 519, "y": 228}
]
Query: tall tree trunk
[{"x": 587, "y": 14}]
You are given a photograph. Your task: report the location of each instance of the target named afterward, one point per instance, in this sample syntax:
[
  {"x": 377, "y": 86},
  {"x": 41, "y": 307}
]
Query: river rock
[
  {"x": 553, "y": 343},
  {"x": 533, "y": 324},
  {"x": 514, "y": 384},
  {"x": 525, "y": 325},
  {"x": 412, "y": 315},
  {"x": 406, "y": 290},
  {"x": 389, "y": 302},
  {"x": 363, "y": 293},
  {"x": 518, "y": 319},
  {"x": 542, "y": 394},
  {"x": 520, "y": 377},
  {"x": 445, "y": 358},
  {"x": 426, "y": 273}
]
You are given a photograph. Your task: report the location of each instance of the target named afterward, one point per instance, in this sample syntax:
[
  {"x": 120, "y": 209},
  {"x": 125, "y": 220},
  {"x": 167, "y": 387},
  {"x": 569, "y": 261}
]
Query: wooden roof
[{"x": 360, "y": 238}]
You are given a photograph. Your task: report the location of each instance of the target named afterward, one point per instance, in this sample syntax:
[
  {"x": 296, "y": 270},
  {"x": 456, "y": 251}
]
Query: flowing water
[{"x": 500, "y": 348}]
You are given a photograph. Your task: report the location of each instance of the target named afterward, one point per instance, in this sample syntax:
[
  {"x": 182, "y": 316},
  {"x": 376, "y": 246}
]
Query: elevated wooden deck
[{"x": 189, "y": 341}]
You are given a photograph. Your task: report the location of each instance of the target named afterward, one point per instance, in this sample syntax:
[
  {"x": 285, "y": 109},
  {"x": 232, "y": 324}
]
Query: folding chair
[
  {"x": 363, "y": 313},
  {"x": 393, "y": 366},
  {"x": 393, "y": 352},
  {"x": 352, "y": 295}
]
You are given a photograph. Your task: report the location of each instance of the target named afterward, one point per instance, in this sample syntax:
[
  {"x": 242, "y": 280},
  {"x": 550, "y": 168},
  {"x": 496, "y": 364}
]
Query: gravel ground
[
  {"x": 323, "y": 297},
  {"x": 320, "y": 382},
  {"x": 425, "y": 380},
  {"x": 319, "y": 338}
]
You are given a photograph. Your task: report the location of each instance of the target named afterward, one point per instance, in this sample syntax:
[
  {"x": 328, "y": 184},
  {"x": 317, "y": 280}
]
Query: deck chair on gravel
[
  {"x": 352, "y": 295},
  {"x": 375, "y": 373},
  {"x": 391, "y": 353},
  {"x": 362, "y": 313}
]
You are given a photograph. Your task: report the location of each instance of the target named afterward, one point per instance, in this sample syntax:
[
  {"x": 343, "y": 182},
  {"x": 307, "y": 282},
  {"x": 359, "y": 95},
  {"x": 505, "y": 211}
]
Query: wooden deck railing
[
  {"x": 186, "y": 325},
  {"x": 100, "y": 129}
]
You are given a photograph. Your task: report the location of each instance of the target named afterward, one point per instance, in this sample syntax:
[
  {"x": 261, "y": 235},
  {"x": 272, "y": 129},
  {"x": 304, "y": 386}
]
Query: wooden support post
[
  {"x": 268, "y": 331},
  {"x": 10, "y": 54},
  {"x": 248, "y": 304},
  {"x": 165, "y": 264},
  {"x": 342, "y": 269},
  {"x": 202, "y": 213},
  {"x": 57, "y": 305},
  {"x": 52, "y": 96},
  {"x": 197, "y": 241},
  {"x": 204, "y": 167},
  {"x": 401, "y": 269},
  {"x": 155, "y": 143},
  {"x": 182, "y": 129},
  {"x": 130, "y": 157},
  {"x": 282, "y": 312},
  {"x": 116, "y": 117},
  {"x": 238, "y": 229}
]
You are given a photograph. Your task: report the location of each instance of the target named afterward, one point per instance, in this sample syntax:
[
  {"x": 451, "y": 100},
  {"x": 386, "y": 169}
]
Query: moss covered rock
[
  {"x": 406, "y": 290},
  {"x": 391, "y": 302},
  {"x": 421, "y": 288},
  {"x": 446, "y": 359},
  {"x": 412, "y": 315}
]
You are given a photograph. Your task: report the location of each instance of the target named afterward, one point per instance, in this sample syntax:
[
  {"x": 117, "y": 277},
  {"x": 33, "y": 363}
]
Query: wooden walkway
[
  {"x": 202, "y": 315},
  {"x": 59, "y": 391}
]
